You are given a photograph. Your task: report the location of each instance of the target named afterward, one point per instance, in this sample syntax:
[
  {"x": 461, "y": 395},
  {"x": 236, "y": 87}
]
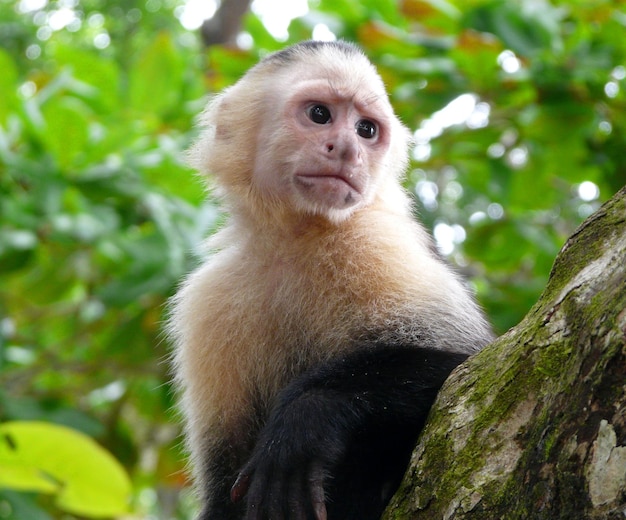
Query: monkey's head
[{"x": 309, "y": 131}]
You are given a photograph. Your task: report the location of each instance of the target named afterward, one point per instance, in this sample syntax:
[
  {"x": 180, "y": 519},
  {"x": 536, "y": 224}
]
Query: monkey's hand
[
  {"x": 347, "y": 424},
  {"x": 284, "y": 478}
]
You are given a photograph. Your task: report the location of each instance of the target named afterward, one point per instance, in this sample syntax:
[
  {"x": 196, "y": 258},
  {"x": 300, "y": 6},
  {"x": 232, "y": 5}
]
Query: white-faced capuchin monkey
[{"x": 311, "y": 344}]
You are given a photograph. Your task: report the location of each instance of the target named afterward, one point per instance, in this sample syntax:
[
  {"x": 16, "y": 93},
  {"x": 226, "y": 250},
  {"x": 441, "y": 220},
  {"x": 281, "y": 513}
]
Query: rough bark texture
[{"x": 534, "y": 427}]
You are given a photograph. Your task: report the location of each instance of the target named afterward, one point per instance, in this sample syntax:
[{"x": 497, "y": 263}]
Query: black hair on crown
[{"x": 313, "y": 47}]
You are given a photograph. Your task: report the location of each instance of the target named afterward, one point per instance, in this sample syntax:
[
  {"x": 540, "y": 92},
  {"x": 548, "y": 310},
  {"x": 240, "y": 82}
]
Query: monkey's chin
[{"x": 328, "y": 192}]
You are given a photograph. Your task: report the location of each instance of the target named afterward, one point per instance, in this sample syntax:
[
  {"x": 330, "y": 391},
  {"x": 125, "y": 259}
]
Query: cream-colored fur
[{"x": 285, "y": 287}]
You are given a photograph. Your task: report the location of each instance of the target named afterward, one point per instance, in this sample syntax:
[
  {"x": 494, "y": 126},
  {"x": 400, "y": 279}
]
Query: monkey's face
[{"x": 323, "y": 143}]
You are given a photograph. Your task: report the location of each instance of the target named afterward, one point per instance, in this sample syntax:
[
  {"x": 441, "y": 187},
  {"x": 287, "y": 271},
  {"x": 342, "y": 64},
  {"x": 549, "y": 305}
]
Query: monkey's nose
[{"x": 344, "y": 149}]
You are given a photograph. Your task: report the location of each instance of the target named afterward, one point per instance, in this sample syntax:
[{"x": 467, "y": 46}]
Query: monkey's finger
[
  {"x": 298, "y": 496},
  {"x": 316, "y": 489},
  {"x": 240, "y": 487},
  {"x": 277, "y": 506},
  {"x": 256, "y": 500}
]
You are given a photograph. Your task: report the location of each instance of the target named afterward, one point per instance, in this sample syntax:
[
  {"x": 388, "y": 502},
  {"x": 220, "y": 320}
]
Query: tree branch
[
  {"x": 534, "y": 426},
  {"x": 225, "y": 25}
]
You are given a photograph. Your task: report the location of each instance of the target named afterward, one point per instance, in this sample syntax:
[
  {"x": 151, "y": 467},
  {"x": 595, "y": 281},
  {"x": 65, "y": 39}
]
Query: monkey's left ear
[{"x": 401, "y": 144}]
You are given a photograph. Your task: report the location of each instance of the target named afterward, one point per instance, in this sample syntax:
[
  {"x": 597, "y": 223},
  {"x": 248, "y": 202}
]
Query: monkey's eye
[
  {"x": 319, "y": 114},
  {"x": 366, "y": 129}
]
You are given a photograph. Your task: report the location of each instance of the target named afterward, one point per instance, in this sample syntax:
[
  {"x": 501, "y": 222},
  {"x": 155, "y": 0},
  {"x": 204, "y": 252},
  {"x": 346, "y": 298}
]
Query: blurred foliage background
[{"x": 519, "y": 114}]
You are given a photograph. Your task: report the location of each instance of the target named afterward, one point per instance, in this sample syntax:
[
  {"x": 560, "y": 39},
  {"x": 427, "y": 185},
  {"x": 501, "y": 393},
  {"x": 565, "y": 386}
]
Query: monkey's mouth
[{"x": 327, "y": 182}]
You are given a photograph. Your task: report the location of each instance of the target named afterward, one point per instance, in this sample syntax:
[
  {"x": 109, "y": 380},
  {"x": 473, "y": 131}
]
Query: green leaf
[
  {"x": 94, "y": 70},
  {"x": 524, "y": 27},
  {"x": 66, "y": 133},
  {"x": 476, "y": 56},
  {"x": 21, "y": 506},
  {"x": 8, "y": 85},
  {"x": 16, "y": 248},
  {"x": 156, "y": 77},
  {"x": 53, "y": 459}
]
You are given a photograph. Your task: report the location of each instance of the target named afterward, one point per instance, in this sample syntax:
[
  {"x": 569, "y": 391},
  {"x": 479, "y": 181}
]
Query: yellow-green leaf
[
  {"x": 53, "y": 459},
  {"x": 8, "y": 85}
]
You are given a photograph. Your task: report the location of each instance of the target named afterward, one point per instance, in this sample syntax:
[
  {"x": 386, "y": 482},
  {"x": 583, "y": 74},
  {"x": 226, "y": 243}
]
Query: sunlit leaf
[
  {"x": 8, "y": 84},
  {"x": 94, "y": 70},
  {"x": 156, "y": 77},
  {"x": 66, "y": 131},
  {"x": 53, "y": 459}
]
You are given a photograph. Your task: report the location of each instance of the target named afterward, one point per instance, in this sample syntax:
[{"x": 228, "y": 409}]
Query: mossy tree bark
[{"x": 534, "y": 426}]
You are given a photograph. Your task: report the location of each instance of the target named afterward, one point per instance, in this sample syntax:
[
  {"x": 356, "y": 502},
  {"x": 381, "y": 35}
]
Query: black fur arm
[{"x": 339, "y": 437}]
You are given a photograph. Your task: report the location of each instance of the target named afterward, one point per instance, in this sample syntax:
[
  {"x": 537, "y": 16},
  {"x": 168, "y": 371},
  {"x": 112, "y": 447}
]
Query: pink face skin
[{"x": 326, "y": 154}]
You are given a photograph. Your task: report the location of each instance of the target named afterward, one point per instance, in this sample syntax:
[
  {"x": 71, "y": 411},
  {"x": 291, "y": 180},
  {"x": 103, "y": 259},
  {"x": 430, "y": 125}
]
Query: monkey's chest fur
[{"x": 250, "y": 320}]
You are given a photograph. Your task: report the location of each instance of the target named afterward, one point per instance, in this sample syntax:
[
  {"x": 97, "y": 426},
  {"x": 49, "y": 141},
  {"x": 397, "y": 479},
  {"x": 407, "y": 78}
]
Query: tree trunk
[
  {"x": 224, "y": 26},
  {"x": 534, "y": 426}
]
